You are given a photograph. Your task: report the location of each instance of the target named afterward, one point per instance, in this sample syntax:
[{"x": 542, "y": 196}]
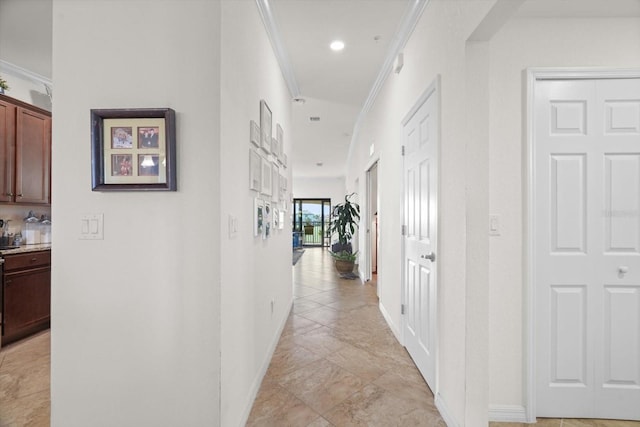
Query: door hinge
[
  {"x": 404, "y": 230},
  {"x": 403, "y": 150},
  {"x": 401, "y": 308}
]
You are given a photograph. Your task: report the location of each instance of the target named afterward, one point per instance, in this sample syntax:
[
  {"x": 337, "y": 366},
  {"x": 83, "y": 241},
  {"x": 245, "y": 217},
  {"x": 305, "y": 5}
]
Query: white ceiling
[{"x": 334, "y": 85}]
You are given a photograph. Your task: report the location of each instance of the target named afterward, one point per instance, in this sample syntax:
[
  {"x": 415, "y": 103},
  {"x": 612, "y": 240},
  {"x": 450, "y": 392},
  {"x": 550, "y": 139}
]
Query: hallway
[{"x": 337, "y": 363}]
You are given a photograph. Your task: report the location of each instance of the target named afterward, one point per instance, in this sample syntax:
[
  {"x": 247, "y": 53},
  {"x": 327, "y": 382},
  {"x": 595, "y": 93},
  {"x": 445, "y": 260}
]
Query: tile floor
[
  {"x": 336, "y": 364},
  {"x": 24, "y": 382}
]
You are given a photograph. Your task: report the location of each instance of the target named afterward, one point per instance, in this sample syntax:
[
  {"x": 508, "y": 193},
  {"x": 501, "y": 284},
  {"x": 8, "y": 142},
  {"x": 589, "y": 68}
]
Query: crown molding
[
  {"x": 407, "y": 25},
  {"x": 9, "y": 68},
  {"x": 269, "y": 21}
]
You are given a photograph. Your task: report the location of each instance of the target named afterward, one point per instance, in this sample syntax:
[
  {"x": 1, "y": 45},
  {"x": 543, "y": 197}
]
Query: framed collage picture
[{"x": 133, "y": 150}]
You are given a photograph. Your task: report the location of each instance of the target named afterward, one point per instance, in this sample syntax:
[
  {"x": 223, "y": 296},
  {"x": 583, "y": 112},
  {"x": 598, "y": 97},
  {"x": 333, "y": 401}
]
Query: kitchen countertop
[{"x": 26, "y": 248}]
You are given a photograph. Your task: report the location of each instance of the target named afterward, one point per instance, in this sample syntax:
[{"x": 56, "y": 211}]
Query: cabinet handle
[
  {"x": 10, "y": 194},
  {"x": 19, "y": 195},
  {"x": 6, "y": 282},
  {"x": 34, "y": 259}
]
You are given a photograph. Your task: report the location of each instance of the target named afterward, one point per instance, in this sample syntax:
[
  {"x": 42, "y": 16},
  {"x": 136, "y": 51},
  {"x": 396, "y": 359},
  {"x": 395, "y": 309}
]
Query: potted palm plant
[{"x": 344, "y": 222}]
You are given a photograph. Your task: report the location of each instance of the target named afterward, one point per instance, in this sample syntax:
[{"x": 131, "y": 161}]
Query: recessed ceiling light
[{"x": 337, "y": 45}]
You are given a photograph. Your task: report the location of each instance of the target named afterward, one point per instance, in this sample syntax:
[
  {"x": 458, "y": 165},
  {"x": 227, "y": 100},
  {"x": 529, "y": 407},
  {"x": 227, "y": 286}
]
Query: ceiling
[{"x": 334, "y": 85}]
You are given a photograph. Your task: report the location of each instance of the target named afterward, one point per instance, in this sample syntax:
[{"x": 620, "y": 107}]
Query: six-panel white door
[
  {"x": 587, "y": 248},
  {"x": 420, "y": 139}
]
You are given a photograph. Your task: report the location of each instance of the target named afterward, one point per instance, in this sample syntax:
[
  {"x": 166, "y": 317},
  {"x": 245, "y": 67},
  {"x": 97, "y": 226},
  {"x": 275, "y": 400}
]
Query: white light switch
[
  {"x": 92, "y": 227},
  {"x": 494, "y": 225},
  {"x": 233, "y": 226}
]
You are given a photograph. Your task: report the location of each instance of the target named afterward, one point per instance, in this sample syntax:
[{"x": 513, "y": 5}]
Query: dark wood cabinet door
[
  {"x": 33, "y": 156},
  {"x": 7, "y": 149},
  {"x": 27, "y": 302}
]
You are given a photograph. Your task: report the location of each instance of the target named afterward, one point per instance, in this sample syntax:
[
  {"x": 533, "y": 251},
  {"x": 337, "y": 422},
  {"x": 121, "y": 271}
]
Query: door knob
[{"x": 431, "y": 257}]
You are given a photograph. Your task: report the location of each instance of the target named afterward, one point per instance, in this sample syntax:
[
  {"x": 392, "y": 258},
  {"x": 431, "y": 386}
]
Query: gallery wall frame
[
  {"x": 254, "y": 133},
  {"x": 255, "y": 170},
  {"x": 266, "y": 177},
  {"x": 265, "y": 126},
  {"x": 133, "y": 149}
]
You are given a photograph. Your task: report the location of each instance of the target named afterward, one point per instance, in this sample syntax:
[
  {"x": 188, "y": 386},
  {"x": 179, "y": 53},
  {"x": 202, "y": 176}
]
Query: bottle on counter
[
  {"x": 45, "y": 229},
  {"x": 31, "y": 229}
]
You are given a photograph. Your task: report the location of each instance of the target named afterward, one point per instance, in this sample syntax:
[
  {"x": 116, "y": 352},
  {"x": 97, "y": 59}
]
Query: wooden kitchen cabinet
[
  {"x": 25, "y": 145},
  {"x": 26, "y": 295}
]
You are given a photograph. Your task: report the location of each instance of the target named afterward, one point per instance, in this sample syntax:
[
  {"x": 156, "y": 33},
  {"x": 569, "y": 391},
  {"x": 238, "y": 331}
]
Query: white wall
[
  {"x": 437, "y": 47},
  {"x": 319, "y": 188},
  {"x": 254, "y": 271},
  {"x": 522, "y": 43},
  {"x": 136, "y": 316}
]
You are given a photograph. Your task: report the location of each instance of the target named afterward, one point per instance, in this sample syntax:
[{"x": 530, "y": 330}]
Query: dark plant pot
[
  {"x": 344, "y": 266},
  {"x": 339, "y": 247}
]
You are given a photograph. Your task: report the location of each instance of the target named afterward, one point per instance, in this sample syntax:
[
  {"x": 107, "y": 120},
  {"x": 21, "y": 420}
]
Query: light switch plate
[
  {"x": 494, "y": 225},
  {"x": 92, "y": 227}
]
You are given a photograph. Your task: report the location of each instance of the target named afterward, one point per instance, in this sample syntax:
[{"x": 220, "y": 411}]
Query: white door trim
[
  {"x": 534, "y": 75},
  {"x": 434, "y": 87}
]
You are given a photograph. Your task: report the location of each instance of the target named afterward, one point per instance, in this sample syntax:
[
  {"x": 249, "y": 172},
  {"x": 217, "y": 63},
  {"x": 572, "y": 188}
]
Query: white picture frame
[
  {"x": 255, "y": 170},
  {"x": 254, "y": 133},
  {"x": 265, "y": 127},
  {"x": 275, "y": 148},
  {"x": 275, "y": 182},
  {"x": 281, "y": 219},
  {"x": 266, "y": 177},
  {"x": 280, "y": 138}
]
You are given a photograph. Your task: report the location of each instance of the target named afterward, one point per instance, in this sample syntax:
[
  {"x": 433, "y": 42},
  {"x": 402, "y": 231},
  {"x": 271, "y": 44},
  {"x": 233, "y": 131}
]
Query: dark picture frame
[{"x": 129, "y": 163}]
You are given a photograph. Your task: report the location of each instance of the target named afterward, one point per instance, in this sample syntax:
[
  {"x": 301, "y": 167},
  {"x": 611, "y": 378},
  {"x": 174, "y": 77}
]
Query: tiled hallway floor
[
  {"x": 24, "y": 382},
  {"x": 337, "y": 363}
]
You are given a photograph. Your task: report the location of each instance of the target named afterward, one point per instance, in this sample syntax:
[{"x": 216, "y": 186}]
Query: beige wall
[
  {"x": 520, "y": 44},
  {"x": 254, "y": 271},
  {"x": 136, "y": 316}
]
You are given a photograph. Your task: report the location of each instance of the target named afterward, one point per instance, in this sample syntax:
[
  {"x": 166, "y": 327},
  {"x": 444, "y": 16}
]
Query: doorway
[
  {"x": 312, "y": 219},
  {"x": 584, "y": 226},
  {"x": 372, "y": 222}
]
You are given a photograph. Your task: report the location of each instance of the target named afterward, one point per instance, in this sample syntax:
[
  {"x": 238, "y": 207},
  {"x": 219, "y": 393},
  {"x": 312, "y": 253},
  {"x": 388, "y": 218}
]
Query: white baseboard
[
  {"x": 444, "y": 411},
  {"x": 392, "y": 325},
  {"x": 510, "y": 413},
  {"x": 257, "y": 381}
]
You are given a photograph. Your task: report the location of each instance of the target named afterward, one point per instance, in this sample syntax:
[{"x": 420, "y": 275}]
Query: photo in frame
[
  {"x": 255, "y": 170},
  {"x": 133, "y": 150},
  {"x": 265, "y": 126},
  {"x": 258, "y": 217},
  {"x": 254, "y": 134},
  {"x": 276, "y": 218},
  {"x": 267, "y": 220},
  {"x": 266, "y": 176}
]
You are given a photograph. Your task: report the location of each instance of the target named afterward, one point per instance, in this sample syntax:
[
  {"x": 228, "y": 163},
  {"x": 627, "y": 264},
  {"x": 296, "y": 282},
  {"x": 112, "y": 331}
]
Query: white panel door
[
  {"x": 587, "y": 248},
  {"x": 420, "y": 139}
]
